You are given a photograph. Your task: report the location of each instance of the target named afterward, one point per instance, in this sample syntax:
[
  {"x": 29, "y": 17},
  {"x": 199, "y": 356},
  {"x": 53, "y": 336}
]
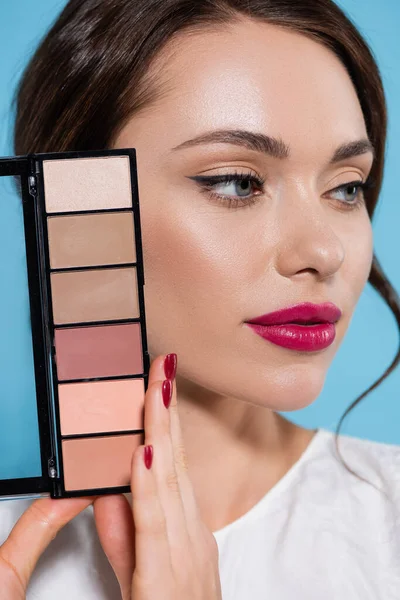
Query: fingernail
[
  {"x": 167, "y": 392},
  {"x": 170, "y": 363},
  {"x": 148, "y": 456}
]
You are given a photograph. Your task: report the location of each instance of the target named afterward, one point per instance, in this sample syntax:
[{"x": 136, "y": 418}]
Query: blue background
[{"x": 372, "y": 338}]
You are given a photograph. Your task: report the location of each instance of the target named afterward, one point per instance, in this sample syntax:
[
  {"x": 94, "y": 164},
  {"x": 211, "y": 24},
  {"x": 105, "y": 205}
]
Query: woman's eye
[
  {"x": 238, "y": 187},
  {"x": 231, "y": 189},
  {"x": 351, "y": 193}
]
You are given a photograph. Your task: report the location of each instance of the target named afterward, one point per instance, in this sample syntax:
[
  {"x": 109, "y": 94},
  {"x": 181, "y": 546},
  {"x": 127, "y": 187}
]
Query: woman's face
[{"x": 211, "y": 265}]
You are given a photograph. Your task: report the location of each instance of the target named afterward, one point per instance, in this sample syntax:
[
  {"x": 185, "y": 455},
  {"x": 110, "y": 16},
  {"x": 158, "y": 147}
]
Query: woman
[{"x": 260, "y": 132}]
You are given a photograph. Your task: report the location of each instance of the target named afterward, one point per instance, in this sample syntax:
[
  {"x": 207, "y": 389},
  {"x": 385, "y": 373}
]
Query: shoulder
[
  {"x": 361, "y": 510},
  {"x": 377, "y": 462}
]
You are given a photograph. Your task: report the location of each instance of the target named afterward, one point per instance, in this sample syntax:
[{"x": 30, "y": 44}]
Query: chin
[{"x": 287, "y": 389}]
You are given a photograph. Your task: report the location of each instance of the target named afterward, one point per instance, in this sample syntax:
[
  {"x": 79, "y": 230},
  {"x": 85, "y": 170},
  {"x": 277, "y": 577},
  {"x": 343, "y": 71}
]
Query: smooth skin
[{"x": 209, "y": 268}]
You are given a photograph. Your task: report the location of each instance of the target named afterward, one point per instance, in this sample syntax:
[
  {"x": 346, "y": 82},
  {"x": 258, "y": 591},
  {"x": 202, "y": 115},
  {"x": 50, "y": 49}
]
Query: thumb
[
  {"x": 116, "y": 530},
  {"x": 29, "y": 538}
]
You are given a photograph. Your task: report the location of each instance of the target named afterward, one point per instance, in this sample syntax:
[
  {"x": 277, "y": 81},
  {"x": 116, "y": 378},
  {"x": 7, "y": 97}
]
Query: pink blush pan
[
  {"x": 99, "y": 351},
  {"x": 99, "y": 462},
  {"x": 99, "y": 406}
]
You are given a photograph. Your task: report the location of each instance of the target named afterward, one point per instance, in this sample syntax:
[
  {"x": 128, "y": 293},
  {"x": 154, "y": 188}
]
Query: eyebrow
[{"x": 271, "y": 146}]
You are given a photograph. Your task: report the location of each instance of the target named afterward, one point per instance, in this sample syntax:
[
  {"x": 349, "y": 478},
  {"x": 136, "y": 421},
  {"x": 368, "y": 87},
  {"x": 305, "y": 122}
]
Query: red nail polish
[
  {"x": 167, "y": 392},
  {"x": 170, "y": 364},
  {"x": 148, "y": 456}
]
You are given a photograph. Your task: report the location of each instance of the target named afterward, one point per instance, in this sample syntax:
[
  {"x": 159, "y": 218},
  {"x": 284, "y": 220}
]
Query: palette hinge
[
  {"x": 52, "y": 468},
  {"x": 32, "y": 185}
]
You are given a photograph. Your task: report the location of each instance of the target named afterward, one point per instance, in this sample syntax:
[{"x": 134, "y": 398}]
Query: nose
[{"x": 307, "y": 241}]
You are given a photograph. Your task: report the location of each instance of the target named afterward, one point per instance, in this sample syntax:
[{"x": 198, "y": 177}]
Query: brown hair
[{"x": 92, "y": 72}]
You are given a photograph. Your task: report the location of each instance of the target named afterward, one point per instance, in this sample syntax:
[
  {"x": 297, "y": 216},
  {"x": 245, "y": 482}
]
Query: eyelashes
[
  {"x": 207, "y": 183},
  {"x": 360, "y": 186}
]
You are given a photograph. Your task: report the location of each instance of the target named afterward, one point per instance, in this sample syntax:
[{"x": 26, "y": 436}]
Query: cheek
[
  {"x": 199, "y": 260},
  {"x": 359, "y": 253},
  {"x": 189, "y": 258},
  {"x": 354, "y": 272}
]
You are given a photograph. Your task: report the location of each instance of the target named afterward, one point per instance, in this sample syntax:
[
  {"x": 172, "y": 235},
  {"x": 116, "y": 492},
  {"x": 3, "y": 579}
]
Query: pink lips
[{"x": 304, "y": 327}]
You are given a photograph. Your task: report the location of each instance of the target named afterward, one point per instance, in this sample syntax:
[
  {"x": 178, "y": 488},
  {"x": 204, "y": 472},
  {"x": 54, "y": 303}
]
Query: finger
[
  {"x": 115, "y": 527},
  {"x": 189, "y": 500},
  {"x": 151, "y": 539},
  {"x": 158, "y": 434},
  {"x": 31, "y": 535}
]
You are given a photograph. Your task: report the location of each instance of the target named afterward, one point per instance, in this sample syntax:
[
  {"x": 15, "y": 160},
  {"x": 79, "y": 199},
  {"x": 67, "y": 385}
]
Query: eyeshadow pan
[
  {"x": 81, "y": 184},
  {"x": 100, "y": 406},
  {"x": 99, "y": 462},
  {"x": 98, "y": 351},
  {"x": 95, "y": 295},
  {"x": 91, "y": 240}
]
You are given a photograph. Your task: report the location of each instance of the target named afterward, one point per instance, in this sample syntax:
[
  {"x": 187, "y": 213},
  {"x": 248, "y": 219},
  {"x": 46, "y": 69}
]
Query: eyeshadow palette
[{"x": 85, "y": 276}]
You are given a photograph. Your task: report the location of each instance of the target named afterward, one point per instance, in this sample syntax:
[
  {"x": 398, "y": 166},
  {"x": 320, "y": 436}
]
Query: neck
[{"x": 236, "y": 451}]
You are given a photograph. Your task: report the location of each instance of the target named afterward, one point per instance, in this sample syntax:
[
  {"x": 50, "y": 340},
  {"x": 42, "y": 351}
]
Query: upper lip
[{"x": 301, "y": 313}]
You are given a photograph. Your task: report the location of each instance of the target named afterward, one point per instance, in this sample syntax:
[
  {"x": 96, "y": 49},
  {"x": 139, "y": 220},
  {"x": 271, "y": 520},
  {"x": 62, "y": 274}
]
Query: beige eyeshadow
[
  {"x": 90, "y": 240},
  {"x": 79, "y": 184},
  {"x": 94, "y": 295},
  {"x": 99, "y": 462},
  {"x": 101, "y": 406}
]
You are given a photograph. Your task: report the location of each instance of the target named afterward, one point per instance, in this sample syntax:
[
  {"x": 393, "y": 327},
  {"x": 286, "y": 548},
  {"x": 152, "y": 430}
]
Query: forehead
[{"x": 257, "y": 76}]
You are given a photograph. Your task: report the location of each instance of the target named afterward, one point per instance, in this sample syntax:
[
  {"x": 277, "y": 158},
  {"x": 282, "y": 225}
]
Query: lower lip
[{"x": 304, "y": 338}]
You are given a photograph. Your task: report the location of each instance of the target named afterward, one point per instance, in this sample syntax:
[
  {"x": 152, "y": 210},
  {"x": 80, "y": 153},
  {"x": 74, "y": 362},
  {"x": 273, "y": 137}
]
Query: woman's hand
[
  {"x": 164, "y": 551},
  {"x": 31, "y": 535}
]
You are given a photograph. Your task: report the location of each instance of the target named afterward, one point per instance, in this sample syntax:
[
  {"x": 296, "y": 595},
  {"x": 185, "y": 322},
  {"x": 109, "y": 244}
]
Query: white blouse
[{"x": 319, "y": 533}]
